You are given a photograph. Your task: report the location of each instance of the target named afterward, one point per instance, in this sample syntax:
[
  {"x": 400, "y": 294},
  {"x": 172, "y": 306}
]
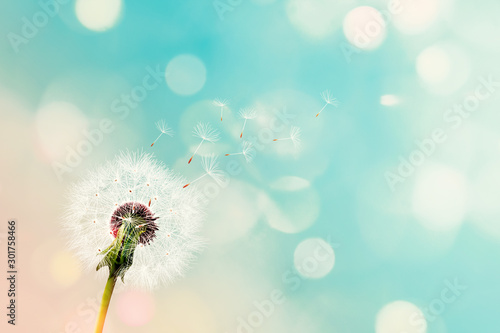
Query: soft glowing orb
[
  {"x": 135, "y": 308},
  {"x": 316, "y": 18},
  {"x": 242, "y": 197},
  {"x": 443, "y": 67},
  {"x": 185, "y": 74},
  {"x": 439, "y": 198},
  {"x": 64, "y": 269},
  {"x": 415, "y": 17},
  {"x": 290, "y": 183},
  {"x": 60, "y": 127},
  {"x": 389, "y": 100},
  {"x": 314, "y": 258},
  {"x": 400, "y": 316},
  {"x": 434, "y": 64},
  {"x": 290, "y": 212},
  {"x": 98, "y": 15},
  {"x": 365, "y": 28}
]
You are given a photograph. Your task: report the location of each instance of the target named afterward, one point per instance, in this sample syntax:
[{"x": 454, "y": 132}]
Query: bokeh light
[
  {"x": 389, "y": 100},
  {"x": 98, "y": 15},
  {"x": 440, "y": 197},
  {"x": 316, "y": 18},
  {"x": 302, "y": 209},
  {"x": 400, "y": 316},
  {"x": 443, "y": 67},
  {"x": 416, "y": 17},
  {"x": 232, "y": 221},
  {"x": 65, "y": 268},
  {"x": 60, "y": 127},
  {"x": 290, "y": 183},
  {"x": 365, "y": 28},
  {"x": 314, "y": 258},
  {"x": 135, "y": 308},
  {"x": 185, "y": 74}
]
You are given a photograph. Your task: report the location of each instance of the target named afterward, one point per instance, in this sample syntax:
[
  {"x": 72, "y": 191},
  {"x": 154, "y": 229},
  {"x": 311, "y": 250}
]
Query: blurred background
[{"x": 385, "y": 220}]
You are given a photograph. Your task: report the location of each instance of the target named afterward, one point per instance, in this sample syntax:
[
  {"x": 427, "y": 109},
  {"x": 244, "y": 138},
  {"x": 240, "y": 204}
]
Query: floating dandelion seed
[
  {"x": 206, "y": 133},
  {"x": 211, "y": 167},
  {"x": 127, "y": 215},
  {"x": 295, "y": 134},
  {"x": 246, "y": 150},
  {"x": 221, "y": 103},
  {"x": 329, "y": 100},
  {"x": 162, "y": 126},
  {"x": 247, "y": 114}
]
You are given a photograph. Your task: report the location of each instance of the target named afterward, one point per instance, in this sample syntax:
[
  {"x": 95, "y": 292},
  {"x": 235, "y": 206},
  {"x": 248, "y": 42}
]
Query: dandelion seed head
[
  {"x": 295, "y": 136},
  {"x": 92, "y": 221},
  {"x": 248, "y": 113},
  {"x": 211, "y": 166},
  {"x": 163, "y": 127},
  {"x": 248, "y": 151},
  {"x": 136, "y": 211},
  {"x": 328, "y": 98},
  {"x": 206, "y": 132},
  {"x": 220, "y": 102}
]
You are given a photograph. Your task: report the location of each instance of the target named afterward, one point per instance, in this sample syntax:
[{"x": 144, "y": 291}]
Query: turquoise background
[{"x": 257, "y": 56}]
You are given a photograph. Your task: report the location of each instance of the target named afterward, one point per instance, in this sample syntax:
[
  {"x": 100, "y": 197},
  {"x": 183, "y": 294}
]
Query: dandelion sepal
[{"x": 119, "y": 256}]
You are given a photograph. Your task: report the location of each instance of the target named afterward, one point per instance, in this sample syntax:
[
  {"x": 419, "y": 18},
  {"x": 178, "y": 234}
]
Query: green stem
[
  {"x": 118, "y": 257},
  {"x": 106, "y": 297}
]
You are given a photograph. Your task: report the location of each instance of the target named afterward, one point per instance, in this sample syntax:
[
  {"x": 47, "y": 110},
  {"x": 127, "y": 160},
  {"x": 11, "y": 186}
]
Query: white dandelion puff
[
  {"x": 220, "y": 103},
  {"x": 248, "y": 113},
  {"x": 137, "y": 192},
  {"x": 329, "y": 100},
  {"x": 163, "y": 127},
  {"x": 247, "y": 151},
  {"x": 211, "y": 167},
  {"x": 295, "y": 134},
  {"x": 206, "y": 133}
]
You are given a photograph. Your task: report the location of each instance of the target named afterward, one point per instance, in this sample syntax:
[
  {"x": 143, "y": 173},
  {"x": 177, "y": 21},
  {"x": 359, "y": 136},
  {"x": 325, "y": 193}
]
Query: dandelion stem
[
  {"x": 106, "y": 297},
  {"x": 321, "y": 109},
  {"x": 244, "y": 123},
  {"x": 156, "y": 139},
  {"x": 118, "y": 257},
  {"x": 196, "y": 150}
]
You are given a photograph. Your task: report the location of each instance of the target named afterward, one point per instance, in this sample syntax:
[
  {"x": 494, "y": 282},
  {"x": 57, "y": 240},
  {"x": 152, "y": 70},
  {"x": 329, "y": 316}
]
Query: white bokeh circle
[
  {"x": 98, "y": 15},
  {"x": 439, "y": 200},
  {"x": 400, "y": 316},
  {"x": 443, "y": 67},
  {"x": 389, "y": 100},
  {"x": 185, "y": 74},
  {"x": 317, "y": 18},
  {"x": 364, "y": 27},
  {"x": 290, "y": 211},
  {"x": 314, "y": 258},
  {"x": 60, "y": 127},
  {"x": 415, "y": 17}
]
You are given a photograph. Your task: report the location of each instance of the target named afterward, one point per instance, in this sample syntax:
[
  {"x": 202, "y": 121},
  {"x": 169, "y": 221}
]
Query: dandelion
[
  {"x": 221, "y": 103},
  {"x": 247, "y": 114},
  {"x": 246, "y": 150},
  {"x": 295, "y": 134},
  {"x": 329, "y": 100},
  {"x": 211, "y": 167},
  {"x": 206, "y": 133},
  {"x": 132, "y": 216},
  {"x": 162, "y": 126}
]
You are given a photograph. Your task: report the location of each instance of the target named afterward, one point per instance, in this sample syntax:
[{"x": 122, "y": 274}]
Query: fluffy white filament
[{"x": 137, "y": 177}]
